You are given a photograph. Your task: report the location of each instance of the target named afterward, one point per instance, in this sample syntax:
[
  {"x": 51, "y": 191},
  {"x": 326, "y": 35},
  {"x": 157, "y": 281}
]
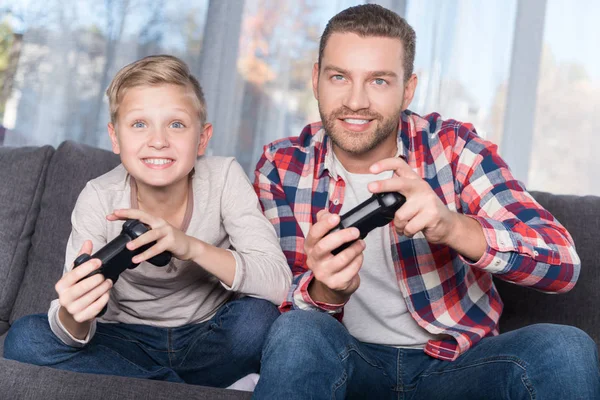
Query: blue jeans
[
  {"x": 310, "y": 355},
  {"x": 213, "y": 353}
]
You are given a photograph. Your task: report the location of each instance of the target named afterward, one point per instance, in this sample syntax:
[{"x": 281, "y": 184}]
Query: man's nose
[{"x": 357, "y": 98}]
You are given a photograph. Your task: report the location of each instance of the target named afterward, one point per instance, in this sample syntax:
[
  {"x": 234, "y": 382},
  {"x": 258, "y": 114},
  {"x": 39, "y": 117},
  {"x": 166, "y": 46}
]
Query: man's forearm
[{"x": 467, "y": 238}]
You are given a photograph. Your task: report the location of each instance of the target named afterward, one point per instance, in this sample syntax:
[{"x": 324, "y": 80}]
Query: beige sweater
[{"x": 225, "y": 213}]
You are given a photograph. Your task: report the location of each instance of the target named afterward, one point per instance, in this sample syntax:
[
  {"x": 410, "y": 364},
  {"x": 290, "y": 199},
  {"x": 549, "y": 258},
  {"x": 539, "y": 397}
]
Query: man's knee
[
  {"x": 26, "y": 338},
  {"x": 309, "y": 330}
]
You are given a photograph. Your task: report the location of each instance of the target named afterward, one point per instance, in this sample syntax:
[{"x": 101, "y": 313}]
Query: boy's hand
[
  {"x": 167, "y": 237},
  {"x": 82, "y": 301}
]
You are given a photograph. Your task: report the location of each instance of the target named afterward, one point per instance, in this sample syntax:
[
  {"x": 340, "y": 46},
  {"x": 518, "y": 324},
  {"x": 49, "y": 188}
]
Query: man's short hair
[
  {"x": 150, "y": 71},
  {"x": 373, "y": 20}
]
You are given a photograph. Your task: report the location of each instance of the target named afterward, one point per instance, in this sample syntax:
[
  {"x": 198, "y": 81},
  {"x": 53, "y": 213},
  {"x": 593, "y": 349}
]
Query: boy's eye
[
  {"x": 139, "y": 124},
  {"x": 177, "y": 125}
]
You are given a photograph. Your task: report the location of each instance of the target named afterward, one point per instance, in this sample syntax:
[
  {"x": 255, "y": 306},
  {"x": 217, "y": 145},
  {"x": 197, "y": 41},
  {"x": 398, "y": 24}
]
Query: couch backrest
[
  {"x": 522, "y": 306},
  {"x": 22, "y": 175},
  {"x": 71, "y": 166}
]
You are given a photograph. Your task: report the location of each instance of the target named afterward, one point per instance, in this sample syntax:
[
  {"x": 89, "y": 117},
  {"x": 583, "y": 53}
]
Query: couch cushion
[
  {"x": 22, "y": 174},
  {"x": 24, "y": 381},
  {"x": 522, "y": 306},
  {"x": 71, "y": 166}
]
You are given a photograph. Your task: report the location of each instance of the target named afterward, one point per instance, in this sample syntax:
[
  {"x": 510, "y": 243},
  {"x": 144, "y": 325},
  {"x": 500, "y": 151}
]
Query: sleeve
[
  {"x": 261, "y": 269},
  {"x": 279, "y": 212},
  {"x": 88, "y": 223},
  {"x": 526, "y": 245}
]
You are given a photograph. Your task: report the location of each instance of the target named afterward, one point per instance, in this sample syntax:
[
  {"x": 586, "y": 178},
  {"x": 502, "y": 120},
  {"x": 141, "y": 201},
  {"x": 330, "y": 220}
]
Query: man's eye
[
  {"x": 139, "y": 124},
  {"x": 380, "y": 81},
  {"x": 177, "y": 125},
  {"x": 337, "y": 77}
]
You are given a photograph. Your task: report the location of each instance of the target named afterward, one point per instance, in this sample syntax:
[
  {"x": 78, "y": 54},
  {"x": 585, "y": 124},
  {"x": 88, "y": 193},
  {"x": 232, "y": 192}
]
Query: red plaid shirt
[{"x": 444, "y": 292}]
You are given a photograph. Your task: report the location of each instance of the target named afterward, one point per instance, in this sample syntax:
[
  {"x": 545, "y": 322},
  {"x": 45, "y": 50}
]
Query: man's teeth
[
  {"x": 356, "y": 121},
  {"x": 158, "y": 161}
]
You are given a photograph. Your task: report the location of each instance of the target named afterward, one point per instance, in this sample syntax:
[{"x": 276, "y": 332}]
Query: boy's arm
[
  {"x": 88, "y": 223},
  {"x": 279, "y": 212},
  {"x": 526, "y": 245},
  {"x": 261, "y": 269}
]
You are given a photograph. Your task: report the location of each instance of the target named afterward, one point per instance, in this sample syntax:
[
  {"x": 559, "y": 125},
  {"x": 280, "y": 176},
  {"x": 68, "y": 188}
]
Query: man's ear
[
  {"x": 315, "y": 80},
  {"x": 409, "y": 91},
  {"x": 205, "y": 135},
  {"x": 113, "y": 138}
]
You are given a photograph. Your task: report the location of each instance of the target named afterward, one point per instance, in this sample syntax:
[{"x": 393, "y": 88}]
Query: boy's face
[
  {"x": 361, "y": 90},
  {"x": 158, "y": 133}
]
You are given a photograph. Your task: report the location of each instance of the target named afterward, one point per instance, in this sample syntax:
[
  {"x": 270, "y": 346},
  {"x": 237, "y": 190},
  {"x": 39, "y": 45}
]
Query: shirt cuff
[
  {"x": 61, "y": 332},
  {"x": 240, "y": 272},
  {"x": 303, "y": 301}
]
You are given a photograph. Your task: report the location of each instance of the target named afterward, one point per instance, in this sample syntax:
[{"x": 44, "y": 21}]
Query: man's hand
[
  {"x": 425, "y": 212},
  {"x": 167, "y": 237},
  {"x": 335, "y": 277}
]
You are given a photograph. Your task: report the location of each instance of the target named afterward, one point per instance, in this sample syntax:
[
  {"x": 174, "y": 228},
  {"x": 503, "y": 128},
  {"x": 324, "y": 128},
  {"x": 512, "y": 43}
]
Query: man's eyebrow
[
  {"x": 372, "y": 74},
  {"x": 333, "y": 68},
  {"x": 389, "y": 74}
]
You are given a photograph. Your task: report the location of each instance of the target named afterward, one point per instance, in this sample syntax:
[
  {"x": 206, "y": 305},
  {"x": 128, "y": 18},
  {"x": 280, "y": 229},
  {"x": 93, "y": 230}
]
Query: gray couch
[{"x": 38, "y": 189}]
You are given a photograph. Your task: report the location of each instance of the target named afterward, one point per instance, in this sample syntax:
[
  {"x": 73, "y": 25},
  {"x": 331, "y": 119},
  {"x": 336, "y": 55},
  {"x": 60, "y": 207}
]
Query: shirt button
[
  {"x": 502, "y": 242},
  {"x": 497, "y": 262},
  {"x": 336, "y": 202},
  {"x": 535, "y": 253}
]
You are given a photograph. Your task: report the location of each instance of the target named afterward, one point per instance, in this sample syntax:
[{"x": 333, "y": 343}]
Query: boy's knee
[
  {"x": 248, "y": 323},
  {"x": 25, "y": 337}
]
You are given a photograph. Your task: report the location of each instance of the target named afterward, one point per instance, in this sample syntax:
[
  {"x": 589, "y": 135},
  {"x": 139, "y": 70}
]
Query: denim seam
[
  {"x": 133, "y": 341},
  {"x": 339, "y": 383},
  {"x": 514, "y": 360},
  {"x": 352, "y": 348},
  {"x": 217, "y": 323},
  {"x": 129, "y": 361}
]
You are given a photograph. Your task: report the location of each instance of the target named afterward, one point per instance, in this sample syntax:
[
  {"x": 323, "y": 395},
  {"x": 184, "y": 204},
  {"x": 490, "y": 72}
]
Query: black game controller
[
  {"x": 373, "y": 213},
  {"x": 116, "y": 257}
]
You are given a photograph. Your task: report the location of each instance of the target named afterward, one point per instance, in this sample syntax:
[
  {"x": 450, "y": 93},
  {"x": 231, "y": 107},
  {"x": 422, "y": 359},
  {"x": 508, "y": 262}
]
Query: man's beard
[{"x": 358, "y": 143}]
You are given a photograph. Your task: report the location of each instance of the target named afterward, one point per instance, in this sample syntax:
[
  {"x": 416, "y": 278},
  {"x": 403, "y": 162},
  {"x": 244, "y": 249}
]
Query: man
[{"x": 418, "y": 308}]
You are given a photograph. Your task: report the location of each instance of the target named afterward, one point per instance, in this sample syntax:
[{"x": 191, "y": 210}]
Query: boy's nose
[{"x": 158, "y": 139}]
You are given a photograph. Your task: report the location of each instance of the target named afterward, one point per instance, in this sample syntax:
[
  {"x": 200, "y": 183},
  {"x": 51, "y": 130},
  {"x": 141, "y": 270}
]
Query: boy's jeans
[
  {"x": 215, "y": 353},
  {"x": 310, "y": 355}
]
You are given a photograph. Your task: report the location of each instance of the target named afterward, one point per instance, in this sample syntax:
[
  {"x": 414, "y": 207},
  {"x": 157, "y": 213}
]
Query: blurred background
[{"x": 526, "y": 73}]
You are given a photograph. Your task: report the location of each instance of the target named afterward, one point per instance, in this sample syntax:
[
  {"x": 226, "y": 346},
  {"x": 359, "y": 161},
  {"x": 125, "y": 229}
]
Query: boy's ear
[
  {"x": 113, "y": 138},
  {"x": 205, "y": 135}
]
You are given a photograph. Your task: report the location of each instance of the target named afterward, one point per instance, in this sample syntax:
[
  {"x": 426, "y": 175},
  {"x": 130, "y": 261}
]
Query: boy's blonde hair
[{"x": 153, "y": 70}]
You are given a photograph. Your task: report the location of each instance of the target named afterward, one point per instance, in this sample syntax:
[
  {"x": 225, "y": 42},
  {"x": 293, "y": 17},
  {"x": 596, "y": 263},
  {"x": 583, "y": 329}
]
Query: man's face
[
  {"x": 361, "y": 91},
  {"x": 158, "y": 134}
]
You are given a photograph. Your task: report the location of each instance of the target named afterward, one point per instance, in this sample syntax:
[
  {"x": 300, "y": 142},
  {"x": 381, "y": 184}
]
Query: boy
[{"x": 184, "y": 322}]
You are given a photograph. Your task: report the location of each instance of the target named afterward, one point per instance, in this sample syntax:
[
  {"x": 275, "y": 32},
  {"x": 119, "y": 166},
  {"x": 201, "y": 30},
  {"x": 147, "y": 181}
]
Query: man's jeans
[
  {"x": 215, "y": 353},
  {"x": 310, "y": 355}
]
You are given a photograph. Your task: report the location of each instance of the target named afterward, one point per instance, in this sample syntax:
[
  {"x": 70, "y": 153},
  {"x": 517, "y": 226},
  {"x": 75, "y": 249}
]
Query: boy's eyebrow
[
  {"x": 141, "y": 109},
  {"x": 372, "y": 74}
]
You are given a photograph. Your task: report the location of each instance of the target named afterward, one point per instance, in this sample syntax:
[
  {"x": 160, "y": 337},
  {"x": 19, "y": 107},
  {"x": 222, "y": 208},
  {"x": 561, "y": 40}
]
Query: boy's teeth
[
  {"x": 157, "y": 161},
  {"x": 356, "y": 121}
]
